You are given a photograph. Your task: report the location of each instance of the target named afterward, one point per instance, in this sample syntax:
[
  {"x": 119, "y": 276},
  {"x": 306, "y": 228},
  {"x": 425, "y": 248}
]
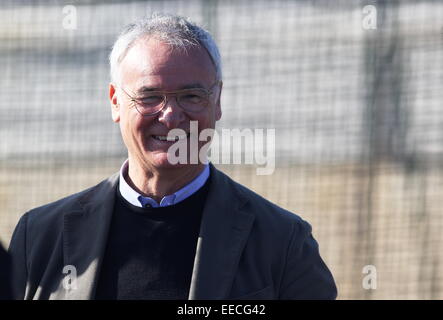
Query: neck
[{"x": 159, "y": 183}]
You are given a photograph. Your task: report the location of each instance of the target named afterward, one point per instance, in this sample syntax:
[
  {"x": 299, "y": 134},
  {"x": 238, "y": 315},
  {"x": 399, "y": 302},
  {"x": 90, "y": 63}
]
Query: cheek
[
  {"x": 133, "y": 125},
  {"x": 205, "y": 120}
]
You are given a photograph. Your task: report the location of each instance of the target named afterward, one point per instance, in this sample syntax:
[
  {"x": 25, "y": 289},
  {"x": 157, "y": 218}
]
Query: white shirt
[{"x": 138, "y": 200}]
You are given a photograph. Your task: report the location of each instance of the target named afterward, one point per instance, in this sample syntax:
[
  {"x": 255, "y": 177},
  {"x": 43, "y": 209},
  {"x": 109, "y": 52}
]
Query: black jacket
[
  {"x": 248, "y": 248},
  {"x": 5, "y": 293}
]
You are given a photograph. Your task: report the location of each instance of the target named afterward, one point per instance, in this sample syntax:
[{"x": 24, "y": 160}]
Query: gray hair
[{"x": 174, "y": 30}]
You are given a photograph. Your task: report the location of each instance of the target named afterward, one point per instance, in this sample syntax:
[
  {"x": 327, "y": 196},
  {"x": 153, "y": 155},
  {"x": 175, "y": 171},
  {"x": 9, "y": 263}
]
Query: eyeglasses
[{"x": 191, "y": 100}]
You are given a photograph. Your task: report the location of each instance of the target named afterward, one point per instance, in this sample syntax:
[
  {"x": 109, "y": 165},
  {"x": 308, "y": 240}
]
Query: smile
[{"x": 170, "y": 139}]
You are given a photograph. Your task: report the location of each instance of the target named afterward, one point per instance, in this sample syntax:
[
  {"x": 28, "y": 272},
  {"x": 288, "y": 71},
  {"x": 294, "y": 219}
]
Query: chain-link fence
[{"x": 353, "y": 90}]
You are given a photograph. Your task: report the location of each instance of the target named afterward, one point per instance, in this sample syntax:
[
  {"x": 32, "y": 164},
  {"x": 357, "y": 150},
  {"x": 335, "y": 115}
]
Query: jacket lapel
[
  {"x": 223, "y": 235},
  {"x": 85, "y": 236}
]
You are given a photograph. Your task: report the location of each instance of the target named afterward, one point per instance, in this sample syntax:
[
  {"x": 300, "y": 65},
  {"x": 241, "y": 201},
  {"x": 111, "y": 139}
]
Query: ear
[
  {"x": 115, "y": 106},
  {"x": 218, "y": 112}
]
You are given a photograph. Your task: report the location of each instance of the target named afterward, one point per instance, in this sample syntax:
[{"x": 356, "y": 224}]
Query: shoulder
[
  {"x": 53, "y": 212},
  {"x": 281, "y": 241},
  {"x": 264, "y": 211}
]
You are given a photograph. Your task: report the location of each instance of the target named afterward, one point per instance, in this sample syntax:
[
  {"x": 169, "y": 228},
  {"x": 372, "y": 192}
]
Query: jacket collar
[
  {"x": 224, "y": 230},
  {"x": 223, "y": 233}
]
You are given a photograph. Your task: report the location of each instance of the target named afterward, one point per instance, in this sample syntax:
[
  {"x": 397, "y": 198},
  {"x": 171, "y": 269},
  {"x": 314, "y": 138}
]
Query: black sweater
[{"x": 150, "y": 251}]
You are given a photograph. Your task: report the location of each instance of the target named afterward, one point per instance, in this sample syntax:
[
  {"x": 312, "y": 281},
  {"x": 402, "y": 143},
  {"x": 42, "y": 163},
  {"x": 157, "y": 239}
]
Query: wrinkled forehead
[{"x": 154, "y": 62}]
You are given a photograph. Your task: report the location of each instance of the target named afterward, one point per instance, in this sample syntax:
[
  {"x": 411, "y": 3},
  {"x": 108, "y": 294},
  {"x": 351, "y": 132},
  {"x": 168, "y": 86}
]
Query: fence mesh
[{"x": 356, "y": 112}]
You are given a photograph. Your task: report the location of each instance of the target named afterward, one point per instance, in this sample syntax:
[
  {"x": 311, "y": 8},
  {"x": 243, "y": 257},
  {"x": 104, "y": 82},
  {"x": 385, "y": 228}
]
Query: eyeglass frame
[{"x": 166, "y": 95}]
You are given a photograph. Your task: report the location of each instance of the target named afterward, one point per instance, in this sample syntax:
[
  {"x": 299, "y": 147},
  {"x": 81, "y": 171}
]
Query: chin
[{"x": 160, "y": 161}]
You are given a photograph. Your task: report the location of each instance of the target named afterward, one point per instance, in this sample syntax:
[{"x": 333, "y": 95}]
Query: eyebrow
[{"x": 187, "y": 86}]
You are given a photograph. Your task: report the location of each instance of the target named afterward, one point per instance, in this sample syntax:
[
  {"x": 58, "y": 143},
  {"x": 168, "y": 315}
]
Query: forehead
[{"x": 151, "y": 62}]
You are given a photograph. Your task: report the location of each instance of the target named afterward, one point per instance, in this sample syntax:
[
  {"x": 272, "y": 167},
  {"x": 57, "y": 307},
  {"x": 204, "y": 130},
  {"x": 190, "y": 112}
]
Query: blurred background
[{"x": 356, "y": 112}]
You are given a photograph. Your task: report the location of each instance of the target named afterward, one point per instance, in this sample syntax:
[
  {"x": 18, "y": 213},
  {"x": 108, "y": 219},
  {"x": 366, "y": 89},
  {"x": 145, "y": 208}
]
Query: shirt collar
[{"x": 136, "y": 199}]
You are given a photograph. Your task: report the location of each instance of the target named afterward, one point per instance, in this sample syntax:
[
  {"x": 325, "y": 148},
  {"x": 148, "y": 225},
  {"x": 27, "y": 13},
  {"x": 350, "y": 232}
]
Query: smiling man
[
  {"x": 151, "y": 69},
  {"x": 158, "y": 230}
]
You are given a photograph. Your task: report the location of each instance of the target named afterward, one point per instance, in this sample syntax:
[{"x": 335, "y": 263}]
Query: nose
[{"x": 172, "y": 114}]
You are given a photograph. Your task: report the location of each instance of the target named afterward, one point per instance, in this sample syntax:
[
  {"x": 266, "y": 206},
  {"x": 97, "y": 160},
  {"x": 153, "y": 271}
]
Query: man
[{"x": 158, "y": 230}]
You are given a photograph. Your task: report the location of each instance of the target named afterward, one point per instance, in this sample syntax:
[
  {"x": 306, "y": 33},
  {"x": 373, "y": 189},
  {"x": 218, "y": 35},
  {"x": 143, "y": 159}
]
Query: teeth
[{"x": 171, "y": 139}]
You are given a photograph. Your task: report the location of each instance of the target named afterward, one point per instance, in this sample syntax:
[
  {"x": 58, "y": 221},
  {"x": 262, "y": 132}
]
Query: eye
[
  {"x": 191, "y": 98},
  {"x": 151, "y": 100}
]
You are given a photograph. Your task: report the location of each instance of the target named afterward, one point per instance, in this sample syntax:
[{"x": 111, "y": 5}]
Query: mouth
[{"x": 170, "y": 139}]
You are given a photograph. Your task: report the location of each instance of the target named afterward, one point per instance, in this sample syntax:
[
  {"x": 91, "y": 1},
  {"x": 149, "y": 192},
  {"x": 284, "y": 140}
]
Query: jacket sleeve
[
  {"x": 306, "y": 276},
  {"x": 17, "y": 251}
]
